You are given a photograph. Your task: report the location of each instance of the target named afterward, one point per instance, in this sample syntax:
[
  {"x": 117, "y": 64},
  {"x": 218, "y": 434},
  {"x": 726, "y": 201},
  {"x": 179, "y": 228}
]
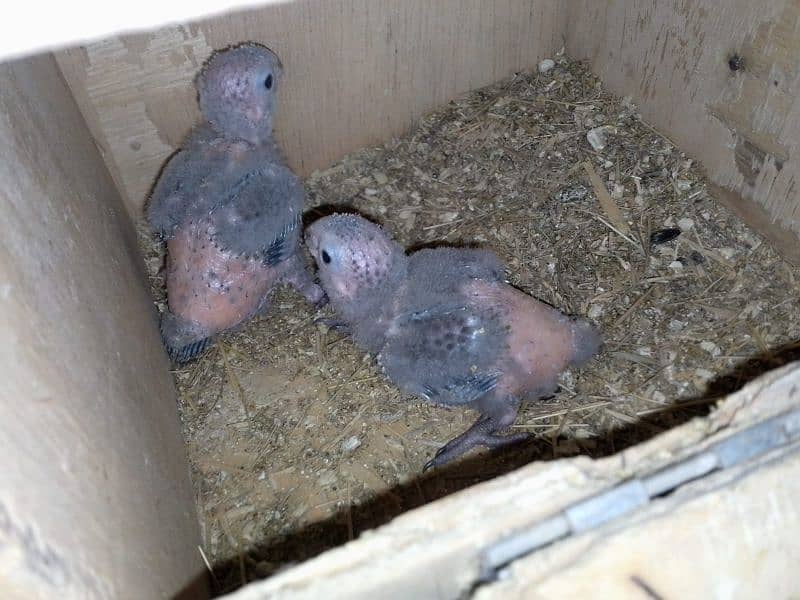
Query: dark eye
[
  {"x": 326, "y": 258},
  {"x": 268, "y": 82}
]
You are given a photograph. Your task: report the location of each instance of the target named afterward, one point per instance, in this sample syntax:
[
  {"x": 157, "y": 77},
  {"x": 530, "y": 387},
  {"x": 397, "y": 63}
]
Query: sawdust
[{"x": 296, "y": 441}]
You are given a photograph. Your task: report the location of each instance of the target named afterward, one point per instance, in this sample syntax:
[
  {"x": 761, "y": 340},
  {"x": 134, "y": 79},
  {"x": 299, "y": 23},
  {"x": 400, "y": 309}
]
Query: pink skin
[
  {"x": 230, "y": 100},
  {"x": 209, "y": 286},
  {"x": 541, "y": 343},
  {"x": 212, "y": 290}
]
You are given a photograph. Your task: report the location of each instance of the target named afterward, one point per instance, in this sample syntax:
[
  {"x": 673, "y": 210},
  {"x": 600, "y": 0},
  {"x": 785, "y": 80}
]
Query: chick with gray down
[
  {"x": 446, "y": 327},
  {"x": 228, "y": 206}
]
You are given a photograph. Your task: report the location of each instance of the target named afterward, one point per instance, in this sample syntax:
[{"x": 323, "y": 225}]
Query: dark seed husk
[{"x": 662, "y": 236}]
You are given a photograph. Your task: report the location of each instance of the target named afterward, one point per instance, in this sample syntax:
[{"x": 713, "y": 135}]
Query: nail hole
[{"x": 735, "y": 62}]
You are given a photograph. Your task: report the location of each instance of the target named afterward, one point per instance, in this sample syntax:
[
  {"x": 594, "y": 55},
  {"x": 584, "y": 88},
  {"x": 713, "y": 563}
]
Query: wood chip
[{"x": 607, "y": 203}]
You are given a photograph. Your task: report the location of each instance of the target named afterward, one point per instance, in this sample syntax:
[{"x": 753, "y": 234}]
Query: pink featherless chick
[
  {"x": 446, "y": 327},
  {"x": 228, "y": 206}
]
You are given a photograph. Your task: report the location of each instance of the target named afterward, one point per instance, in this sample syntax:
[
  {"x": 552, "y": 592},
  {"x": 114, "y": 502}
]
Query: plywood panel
[
  {"x": 724, "y": 538},
  {"x": 95, "y": 499},
  {"x": 356, "y": 73},
  {"x": 673, "y": 58}
]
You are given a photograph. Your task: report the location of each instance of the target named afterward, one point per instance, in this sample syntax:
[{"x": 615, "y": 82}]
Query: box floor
[{"x": 298, "y": 444}]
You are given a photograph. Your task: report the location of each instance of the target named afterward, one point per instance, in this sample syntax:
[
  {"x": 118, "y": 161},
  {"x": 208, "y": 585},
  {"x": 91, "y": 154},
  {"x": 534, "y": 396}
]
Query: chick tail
[
  {"x": 184, "y": 340},
  {"x": 189, "y": 352},
  {"x": 586, "y": 342}
]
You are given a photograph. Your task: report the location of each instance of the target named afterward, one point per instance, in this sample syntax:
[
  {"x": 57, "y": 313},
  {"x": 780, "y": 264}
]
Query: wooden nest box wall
[{"x": 96, "y": 500}]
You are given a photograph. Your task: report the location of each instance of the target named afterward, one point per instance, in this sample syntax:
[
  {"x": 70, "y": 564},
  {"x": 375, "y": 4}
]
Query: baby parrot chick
[
  {"x": 228, "y": 206},
  {"x": 446, "y": 327}
]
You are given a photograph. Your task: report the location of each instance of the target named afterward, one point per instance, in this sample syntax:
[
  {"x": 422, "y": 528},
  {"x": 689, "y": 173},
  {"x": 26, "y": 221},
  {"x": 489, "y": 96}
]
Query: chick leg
[
  {"x": 482, "y": 433},
  {"x": 298, "y": 276}
]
